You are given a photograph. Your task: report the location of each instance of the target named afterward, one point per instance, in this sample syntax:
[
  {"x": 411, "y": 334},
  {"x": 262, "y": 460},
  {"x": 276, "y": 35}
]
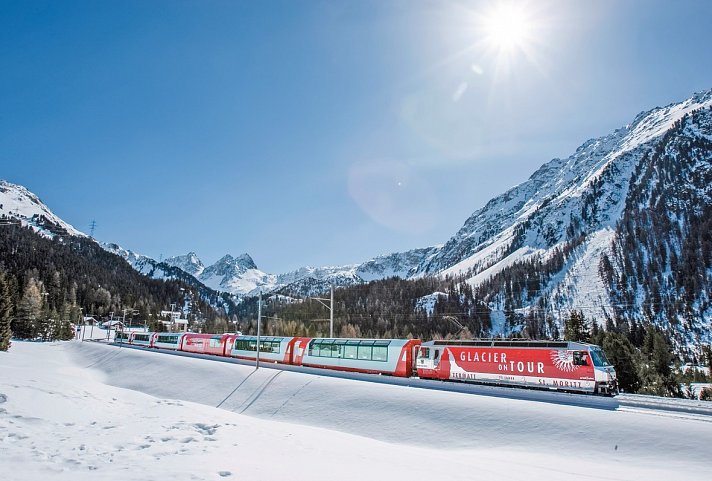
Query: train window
[
  {"x": 380, "y": 353},
  {"x": 215, "y": 342},
  {"x": 599, "y": 358},
  {"x": 424, "y": 353},
  {"x": 350, "y": 352},
  {"x": 337, "y": 350},
  {"x": 580, "y": 358},
  {"x": 436, "y": 353},
  {"x": 364, "y": 353}
]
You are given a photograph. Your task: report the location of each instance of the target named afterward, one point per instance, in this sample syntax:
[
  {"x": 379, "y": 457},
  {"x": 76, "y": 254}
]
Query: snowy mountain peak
[
  {"x": 228, "y": 263},
  {"x": 245, "y": 261},
  {"x": 16, "y": 202},
  {"x": 189, "y": 262}
]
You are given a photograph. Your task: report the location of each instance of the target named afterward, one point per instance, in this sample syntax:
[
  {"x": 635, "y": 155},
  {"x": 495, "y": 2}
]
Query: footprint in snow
[
  {"x": 224, "y": 474},
  {"x": 3, "y": 398},
  {"x": 206, "y": 429}
]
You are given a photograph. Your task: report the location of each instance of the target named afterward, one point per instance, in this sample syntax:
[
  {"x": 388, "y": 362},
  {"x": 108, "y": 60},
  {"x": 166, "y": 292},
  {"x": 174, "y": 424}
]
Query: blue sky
[{"x": 317, "y": 132}]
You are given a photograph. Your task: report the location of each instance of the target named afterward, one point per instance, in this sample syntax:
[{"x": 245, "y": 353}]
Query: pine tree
[
  {"x": 707, "y": 356},
  {"x": 576, "y": 328},
  {"x": 656, "y": 374},
  {"x": 5, "y": 314},
  {"x": 623, "y": 355},
  {"x": 26, "y": 323}
]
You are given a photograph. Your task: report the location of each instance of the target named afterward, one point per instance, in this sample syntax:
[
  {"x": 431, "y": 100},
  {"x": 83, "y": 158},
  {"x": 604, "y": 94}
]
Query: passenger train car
[
  {"x": 556, "y": 365},
  {"x": 217, "y": 344}
]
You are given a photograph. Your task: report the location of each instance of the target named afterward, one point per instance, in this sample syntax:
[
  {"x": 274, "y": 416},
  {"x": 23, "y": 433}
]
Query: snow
[
  {"x": 19, "y": 203},
  {"x": 582, "y": 281},
  {"x": 427, "y": 303},
  {"x": 74, "y": 411}
]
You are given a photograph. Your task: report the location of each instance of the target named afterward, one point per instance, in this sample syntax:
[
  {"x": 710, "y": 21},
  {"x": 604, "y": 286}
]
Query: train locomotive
[
  {"x": 556, "y": 365},
  {"x": 553, "y": 365}
]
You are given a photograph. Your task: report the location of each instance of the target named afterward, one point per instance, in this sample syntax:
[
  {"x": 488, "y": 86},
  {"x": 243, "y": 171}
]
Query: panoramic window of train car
[
  {"x": 215, "y": 342},
  {"x": 270, "y": 346},
  {"x": 365, "y": 350},
  {"x": 267, "y": 345},
  {"x": 380, "y": 351},
  {"x": 350, "y": 349}
]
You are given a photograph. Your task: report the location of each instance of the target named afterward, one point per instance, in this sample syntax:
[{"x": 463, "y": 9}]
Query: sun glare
[{"x": 507, "y": 27}]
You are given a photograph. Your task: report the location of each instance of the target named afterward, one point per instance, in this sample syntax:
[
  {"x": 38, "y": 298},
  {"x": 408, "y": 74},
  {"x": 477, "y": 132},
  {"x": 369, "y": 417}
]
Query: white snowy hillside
[
  {"x": 18, "y": 203},
  {"x": 86, "y": 411},
  {"x": 565, "y": 219}
]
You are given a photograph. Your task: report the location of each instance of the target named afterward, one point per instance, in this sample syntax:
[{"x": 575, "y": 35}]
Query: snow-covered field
[{"x": 75, "y": 411}]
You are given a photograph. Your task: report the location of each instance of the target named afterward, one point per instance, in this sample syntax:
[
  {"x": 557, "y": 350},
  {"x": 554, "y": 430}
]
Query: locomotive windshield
[{"x": 599, "y": 358}]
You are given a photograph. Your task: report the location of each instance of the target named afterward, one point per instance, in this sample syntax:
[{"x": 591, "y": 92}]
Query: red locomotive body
[{"x": 557, "y": 365}]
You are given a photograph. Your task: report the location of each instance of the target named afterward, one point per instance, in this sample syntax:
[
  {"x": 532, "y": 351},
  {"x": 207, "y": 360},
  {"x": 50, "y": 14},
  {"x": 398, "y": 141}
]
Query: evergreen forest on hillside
[{"x": 48, "y": 285}]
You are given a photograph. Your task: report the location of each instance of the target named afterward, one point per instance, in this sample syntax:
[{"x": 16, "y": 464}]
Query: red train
[{"x": 555, "y": 365}]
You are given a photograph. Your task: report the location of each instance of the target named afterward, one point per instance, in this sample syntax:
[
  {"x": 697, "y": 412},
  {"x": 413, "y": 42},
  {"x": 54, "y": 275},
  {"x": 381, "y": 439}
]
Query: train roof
[{"x": 520, "y": 343}]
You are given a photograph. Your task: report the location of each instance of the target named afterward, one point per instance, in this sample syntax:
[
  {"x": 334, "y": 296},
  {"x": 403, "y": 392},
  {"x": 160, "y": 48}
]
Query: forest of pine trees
[
  {"x": 388, "y": 308},
  {"x": 642, "y": 356},
  {"x": 663, "y": 248},
  {"x": 47, "y": 285}
]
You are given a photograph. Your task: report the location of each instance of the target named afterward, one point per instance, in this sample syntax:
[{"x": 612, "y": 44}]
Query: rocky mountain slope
[{"x": 578, "y": 234}]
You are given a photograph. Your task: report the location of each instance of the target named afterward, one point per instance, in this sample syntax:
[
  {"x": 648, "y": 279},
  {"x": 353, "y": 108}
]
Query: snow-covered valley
[{"x": 78, "y": 410}]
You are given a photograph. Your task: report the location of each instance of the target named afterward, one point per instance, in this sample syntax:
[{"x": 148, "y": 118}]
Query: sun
[{"x": 507, "y": 27}]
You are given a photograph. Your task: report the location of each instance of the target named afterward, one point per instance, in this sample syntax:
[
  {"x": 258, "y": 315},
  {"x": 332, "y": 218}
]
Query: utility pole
[
  {"x": 84, "y": 323},
  {"x": 331, "y": 314},
  {"x": 331, "y": 310},
  {"x": 259, "y": 321},
  {"x": 92, "y": 226},
  {"x": 111, "y": 321}
]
